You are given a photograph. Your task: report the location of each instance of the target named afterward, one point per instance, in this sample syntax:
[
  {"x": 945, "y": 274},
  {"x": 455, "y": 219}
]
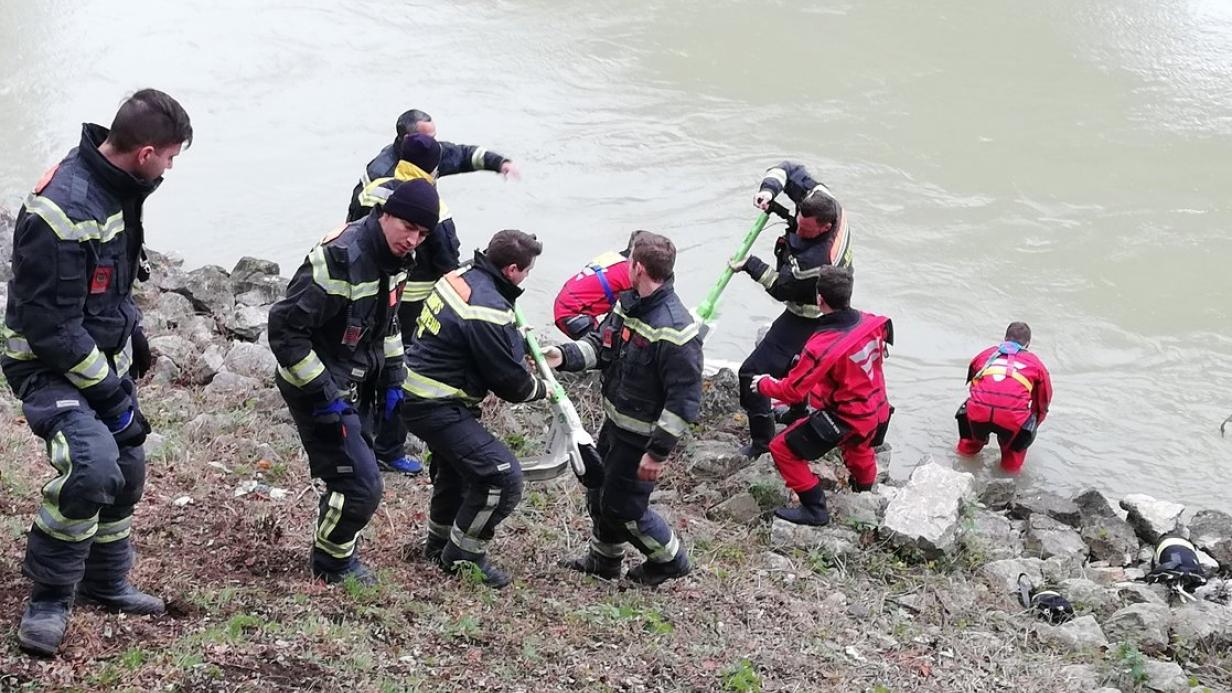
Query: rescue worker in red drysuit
[
  {"x": 839, "y": 375},
  {"x": 1010, "y": 393},
  {"x": 591, "y": 293}
]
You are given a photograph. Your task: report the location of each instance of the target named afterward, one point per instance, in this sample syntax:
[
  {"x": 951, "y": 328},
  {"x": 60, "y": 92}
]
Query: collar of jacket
[
  {"x": 506, "y": 288},
  {"x": 122, "y": 183},
  {"x": 405, "y": 171},
  {"x": 797, "y": 243},
  {"x": 840, "y": 319},
  {"x": 373, "y": 240},
  {"x": 635, "y": 305}
]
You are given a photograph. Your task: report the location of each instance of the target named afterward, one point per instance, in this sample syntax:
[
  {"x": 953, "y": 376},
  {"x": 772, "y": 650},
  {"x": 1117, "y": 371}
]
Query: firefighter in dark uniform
[
  {"x": 455, "y": 158},
  {"x": 816, "y": 236},
  {"x": 466, "y": 344},
  {"x": 651, "y": 355},
  {"x": 340, "y": 363},
  {"x": 420, "y": 158},
  {"x": 68, "y": 352}
]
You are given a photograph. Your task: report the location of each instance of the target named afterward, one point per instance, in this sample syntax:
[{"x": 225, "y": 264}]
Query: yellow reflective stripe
[
  {"x": 417, "y": 291},
  {"x": 124, "y": 359},
  {"x": 114, "y": 531},
  {"x": 338, "y": 287},
  {"x": 1001, "y": 370},
  {"x": 375, "y": 193},
  {"x": 776, "y": 174},
  {"x": 605, "y": 549},
  {"x": 804, "y": 311},
  {"x": 303, "y": 372},
  {"x": 15, "y": 346},
  {"x": 625, "y": 421},
  {"x": 56, "y": 525},
  {"x": 477, "y": 158},
  {"x": 659, "y": 553},
  {"x": 405, "y": 171},
  {"x": 608, "y": 259},
  {"x": 467, "y": 543},
  {"x": 328, "y": 524},
  {"x": 768, "y": 278},
  {"x": 679, "y": 337},
  {"x": 424, "y": 387},
  {"x": 62, "y": 461},
  {"x": 393, "y": 346},
  {"x": 90, "y": 371},
  {"x": 66, "y": 230},
  {"x": 672, "y": 423},
  {"x": 443, "y": 215},
  {"x": 469, "y": 312}
]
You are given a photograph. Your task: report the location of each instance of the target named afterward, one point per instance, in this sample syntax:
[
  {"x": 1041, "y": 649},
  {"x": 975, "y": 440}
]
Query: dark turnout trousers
[{"x": 619, "y": 502}]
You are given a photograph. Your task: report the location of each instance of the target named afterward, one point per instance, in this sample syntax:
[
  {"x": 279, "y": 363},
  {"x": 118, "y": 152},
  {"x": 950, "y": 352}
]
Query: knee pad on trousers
[
  {"x": 1025, "y": 436},
  {"x": 82, "y": 446},
  {"x": 576, "y": 326},
  {"x": 625, "y": 500},
  {"x": 964, "y": 423},
  {"x": 815, "y": 436}
]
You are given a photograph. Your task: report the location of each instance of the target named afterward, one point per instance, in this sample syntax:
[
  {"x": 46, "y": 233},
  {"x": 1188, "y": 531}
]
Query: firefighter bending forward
[{"x": 340, "y": 363}]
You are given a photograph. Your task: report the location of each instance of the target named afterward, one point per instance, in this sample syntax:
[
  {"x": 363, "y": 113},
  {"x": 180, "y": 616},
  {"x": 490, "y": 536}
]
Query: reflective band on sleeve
[
  {"x": 672, "y": 423},
  {"x": 304, "y": 372},
  {"x": 124, "y": 359},
  {"x": 625, "y": 421},
  {"x": 776, "y": 174},
  {"x": 803, "y": 273},
  {"x": 90, "y": 371},
  {"x": 393, "y": 346},
  {"x": 15, "y": 346},
  {"x": 589, "y": 358},
  {"x": 327, "y": 526},
  {"x": 424, "y": 387},
  {"x": 477, "y": 158},
  {"x": 375, "y": 193},
  {"x": 89, "y": 230},
  {"x": 768, "y": 278},
  {"x": 114, "y": 531},
  {"x": 417, "y": 291},
  {"x": 338, "y": 287},
  {"x": 467, "y": 543}
]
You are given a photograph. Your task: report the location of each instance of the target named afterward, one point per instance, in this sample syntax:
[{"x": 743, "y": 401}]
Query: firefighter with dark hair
[
  {"x": 817, "y": 236},
  {"x": 466, "y": 344},
  {"x": 340, "y": 363},
  {"x": 839, "y": 377},
  {"x": 69, "y": 333},
  {"x": 1010, "y": 394},
  {"x": 650, "y": 351}
]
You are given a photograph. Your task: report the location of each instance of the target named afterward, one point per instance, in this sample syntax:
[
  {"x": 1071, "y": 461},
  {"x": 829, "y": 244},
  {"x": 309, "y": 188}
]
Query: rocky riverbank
[{"x": 910, "y": 588}]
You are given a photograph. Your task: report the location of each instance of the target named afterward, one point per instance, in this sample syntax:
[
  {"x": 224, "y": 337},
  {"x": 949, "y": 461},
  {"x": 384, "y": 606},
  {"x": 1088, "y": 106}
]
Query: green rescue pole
[
  {"x": 557, "y": 392},
  {"x": 706, "y": 311}
]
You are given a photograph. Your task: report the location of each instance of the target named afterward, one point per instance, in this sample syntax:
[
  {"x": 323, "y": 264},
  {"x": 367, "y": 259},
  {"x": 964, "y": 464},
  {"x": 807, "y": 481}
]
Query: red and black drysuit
[{"x": 1010, "y": 394}]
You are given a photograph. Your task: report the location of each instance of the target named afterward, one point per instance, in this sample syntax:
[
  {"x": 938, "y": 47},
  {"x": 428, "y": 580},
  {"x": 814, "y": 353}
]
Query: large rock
[
  {"x": 991, "y": 536},
  {"x": 251, "y": 360},
  {"x": 741, "y": 508},
  {"x": 999, "y": 494},
  {"x": 213, "y": 361},
  {"x": 858, "y": 510},
  {"x": 1082, "y": 634},
  {"x": 249, "y": 270},
  {"x": 1050, "y": 504},
  {"x": 1047, "y": 537},
  {"x": 1145, "y": 625},
  {"x": 1140, "y": 593},
  {"x": 170, "y": 310},
  {"x": 1004, "y": 573},
  {"x": 714, "y": 459},
  {"x": 1092, "y": 504},
  {"x": 226, "y": 383},
  {"x": 174, "y": 348},
  {"x": 246, "y": 322},
  {"x": 1088, "y": 597},
  {"x": 836, "y": 541},
  {"x": 1211, "y": 531},
  {"x": 1110, "y": 539},
  {"x": 925, "y": 515},
  {"x": 761, "y": 480},
  {"x": 720, "y": 395},
  {"x": 209, "y": 289},
  {"x": 1151, "y": 518},
  {"x": 1165, "y": 677},
  {"x": 1203, "y": 624}
]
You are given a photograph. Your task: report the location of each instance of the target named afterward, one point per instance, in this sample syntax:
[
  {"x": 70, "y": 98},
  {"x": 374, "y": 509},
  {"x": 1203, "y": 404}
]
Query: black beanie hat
[
  {"x": 421, "y": 150},
  {"x": 415, "y": 201}
]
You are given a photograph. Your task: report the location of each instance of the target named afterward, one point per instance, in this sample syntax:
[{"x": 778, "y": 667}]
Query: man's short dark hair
[
  {"x": 410, "y": 120},
  {"x": 513, "y": 247},
  {"x": 820, "y": 206},
  {"x": 834, "y": 286},
  {"x": 656, "y": 253},
  {"x": 633, "y": 239},
  {"x": 1018, "y": 332},
  {"x": 150, "y": 118}
]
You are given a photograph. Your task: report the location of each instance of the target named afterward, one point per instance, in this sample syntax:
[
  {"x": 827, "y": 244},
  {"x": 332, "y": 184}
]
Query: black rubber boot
[
  {"x": 120, "y": 596},
  {"x": 432, "y": 548},
  {"x": 595, "y": 564},
  {"x": 453, "y": 558},
  {"x": 654, "y": 574},
  {"x": 761, "y": 430},
  {"x": 811, "y": 511},
  {"x": 45, "y": 619},
  {"x": 861, "y": 488},
  {"x": 356, "y": 570}
]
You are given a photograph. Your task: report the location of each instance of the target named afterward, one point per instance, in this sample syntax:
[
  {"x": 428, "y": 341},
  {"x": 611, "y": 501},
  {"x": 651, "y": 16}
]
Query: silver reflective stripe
[
  {"x": 393, "y": 345},
  {"x": 114, "y": 531},
  {"x": 672, "y": 423},
  {"x": 659, "y": 553},
  {"x": 803, "y": 273},
  {"x": 375, "y": 193},
  {"x": 88, "y": 230},
  {"x": 820, "y": 187},
  {"x": 1169, "y": 543},
  {"x": 768, "y": 278},
  {"x": 477, "y": 158},
  {"x": 485, "y": 513},
  {"x": 777, "y": 174},
  {"x": 589, "y": 358},
  {"x": 15, "y": 346},
  {"x": 606, "y": 549},
  {"x": 327, "y": 526},
  {"x": 90, "y": 371},
  {"x": 625, "y": 421},
  {"x": 440, "y": 531},
  {"x": 468, "y": 544},
  {"x": 803, "y": 310},
  {"x": 124, "y": 359},
  {"x": 303, "y": 372},
  {"x": 56, "y": 525}
]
